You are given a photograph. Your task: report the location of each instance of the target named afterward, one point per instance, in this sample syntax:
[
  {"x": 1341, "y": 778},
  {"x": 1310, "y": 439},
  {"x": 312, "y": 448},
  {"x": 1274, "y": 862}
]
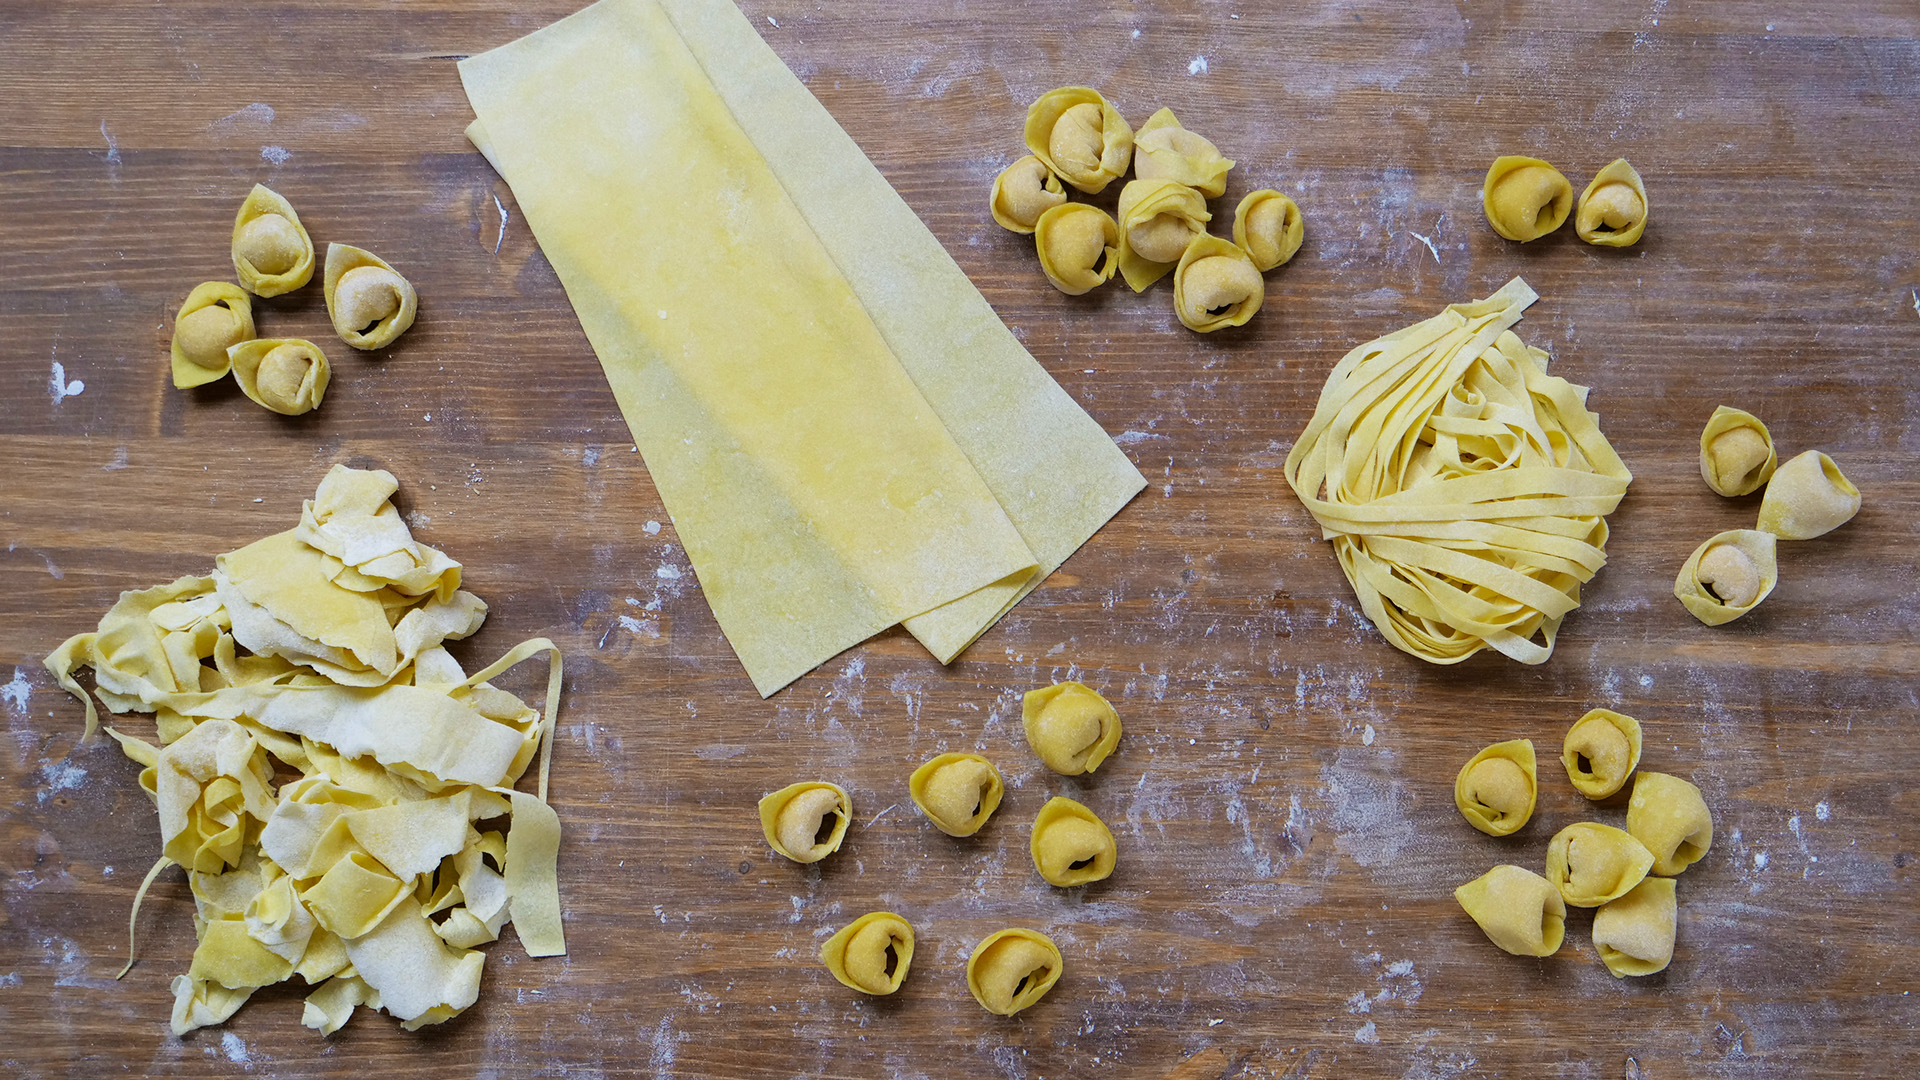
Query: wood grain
[{"x": 1283, "y": 904}]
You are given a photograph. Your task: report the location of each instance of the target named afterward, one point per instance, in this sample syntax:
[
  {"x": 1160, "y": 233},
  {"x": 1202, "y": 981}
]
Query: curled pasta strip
[{"x": 1465, "y": 491}]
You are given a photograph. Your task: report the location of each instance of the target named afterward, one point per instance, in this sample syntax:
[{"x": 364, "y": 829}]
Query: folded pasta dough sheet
[{"x": 844, "y": 433}]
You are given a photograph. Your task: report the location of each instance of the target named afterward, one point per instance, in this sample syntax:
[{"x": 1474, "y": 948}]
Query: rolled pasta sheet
[
  {"x": 1268, "y": 227},
  {"x": 1080, "y": 136},
  {"x": 1517, "y": 909},
  {"x": 1071, "y": 845},
  {"x": 369, "y": 302},
  {"x": 1612, "y": 211},
  {"x": 284, "y": 375},
  {"x": 1728, "y": 575},
  {"x": 1736, "y": 452},
  {"x": 1012, "y": 969},
  {"x": 1464, "y": 490},
  {"x": 1591, "y": 863},
  {"x": 1670, "y": 817},
  {"x": 1600, "y": 751},
  {"x": 1496, "y": 789},
  {"x": 1808, "y": 497},
  {"x": 806, "y": 822},
  {"x": 872, "y": 954},
  {"x": 213, "y": 318},
  {"x": 1216, "y": 285},
  {"x": 1022, "y": 192},
  {"x": 1079, "y": 247},
  {"x": 1525, "y": 198},
  {"x": 1158, "y": 219},
  {"x": 272, "y": 253},
  {"x": 957, "y": 792},
  {"x": 1634, "y": 934},
  {"x": 1165, "y": 150}
]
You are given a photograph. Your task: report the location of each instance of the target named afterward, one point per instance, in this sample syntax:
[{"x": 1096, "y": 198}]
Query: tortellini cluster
[
  {"x": 1729, "y": 574},
  {"x": 1526, "y": 198},
  {"x": 368, "y": 301},
  {"x": 1078, "y": 139}
]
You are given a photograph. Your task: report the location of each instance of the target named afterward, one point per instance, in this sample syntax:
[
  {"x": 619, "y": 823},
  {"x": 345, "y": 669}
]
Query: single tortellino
[
  {"x": 287, "y": 375},
  {"x": 1600, "y": 752},
  {"x": 1736, "y": 452},
  {"x": 1080, "y": 136},
  {"x": 806, "y": 821},
  {"x": 1164, "y": 150},
  {"x": 1670, "y": 817},
  {"x": 1079, "y": 247},
  {"x": 272, "y": 252},
  {"x": 957, "y": 792},
  {"x": 1808, "y": 497},
  {"x": 369, "y": 302},
  {"x": 1519, "y": 910},
  {"x": 1216, "y": 285},
  {"x": 1070, "y": 727},
  {"x": 1728, "y": 576},
  {"x": 1613, "y": 209},
  {"x": 1022, "y": 192},
  {"x": 1013, "y": 968},
  {"x": 1591, "y": 863},
  {"x": 1495, "y": 790},
  {"x": 872, "y": 953},
  {"x": 213, "y": 318},
  {"x": 1268, "y": 227},
  {"x": 1634, "y": 934},
  {"x": 1071, "y": 845},
  {"x": 1525, "y": 198},
  {"x": 1158, "y": 219}
]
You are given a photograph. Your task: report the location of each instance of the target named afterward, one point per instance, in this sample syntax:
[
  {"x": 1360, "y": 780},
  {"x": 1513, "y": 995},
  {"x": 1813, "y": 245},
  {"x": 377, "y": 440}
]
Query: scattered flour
[
  {"x": 1198, "y": 66},
  {"x": 498, "y": 240},
  {"x": 1367, "y": 1034},
  {"x": 18, "y": 692},
  {"x": 275, "y": 155},
  {"x": 235, "y": 1048},
  {"x": 59, "y": 388},
  {"x": 61, "y": 776},
  {"x": 651, "y": 528}
]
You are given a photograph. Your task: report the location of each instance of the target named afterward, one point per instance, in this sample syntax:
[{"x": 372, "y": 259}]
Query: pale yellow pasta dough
[
  {"x": 806, "y": 822},
  {"x": 1592, "y": 863},
  {"x": 1807, "y": 497},
  {"x": 1268, "y": 227},
  {"x": 957, "y": 792},
  {"x": 284, "y": 375},
  {"x": 1164, "y": 150},
  {"x": 1525, "y": 198},
  {"x": 369, "y": 302},
  {"x": 1612, "y": 211},
  {"x": 1670, "y": 817},
  {"x": 1022, "y": 192},
  {"x": 1080, "y": 136},
  {"x": 272, "y": 253},
  {"x": 1465, "y": 490},
  {"x": 1012, "y": 969},
  {"x": 1215, "y": 285},
  {"x": 1071, "y": 845},
  {"x": 1728, "y": 575},
  {"x": 872, "y": 953},
  {"x": 1070, "y": 727},
  {"x": 1736, "y": 452},
  {"x": 1495, "y": 790},
  {"x": 1079, "y": 247},
  {"x": 1600, "y": 751},
  {"x": 213, "y": 318},
  {"x": 1634, "y": 934},
  {"x": 1157, "y": 220},
  {"x": 1519, "y": 910}
]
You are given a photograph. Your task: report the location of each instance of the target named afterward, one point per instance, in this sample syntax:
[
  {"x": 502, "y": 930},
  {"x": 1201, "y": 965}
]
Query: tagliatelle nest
[{"x": 1465, "y": 490}]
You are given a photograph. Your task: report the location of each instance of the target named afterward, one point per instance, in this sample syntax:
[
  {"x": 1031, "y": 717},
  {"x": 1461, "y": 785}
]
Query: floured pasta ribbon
[
  {"x": 1464, "y": 489},
  {"x": 321, "y": 649}
]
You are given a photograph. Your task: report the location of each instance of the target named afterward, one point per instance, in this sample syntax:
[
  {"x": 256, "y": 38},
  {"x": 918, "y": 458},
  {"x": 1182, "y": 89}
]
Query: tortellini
[
  {"x": 872, "y": 953},
  {"x": 1013, "y": 968},
  {"x": 1071, "y": 727},
  {"x": 1216, "y": 285},
  {"x": 1600, "y": 752},
  {"x": 369, "y": 302},
  {"x": 1080, "y": 136},
  {"x": 1591, "y": 863},
  {"x": 1495, "y": 790},
  {"x": 1268, "y": 227},
  {"x": 1158, "y": 219},
  {"x": 1525, "y": 198},
  {"x": 1808, "y": 497},
  {"x": 1079, "y": 247},
  {"x": 1519, "y": 910},
  {"x": 1728, "y": 576},
  {"x": 806, "y": 821},
  {"x": 957, "y": 792},
  {"x": 1022, "y": 192},
  {"x": 1670, "y": 817},
  {"x": 1071, "y": 845},
  {"x": 1613, "y": 209},
  {"x": 286, "y": 375},
  {"x": 272, "y": 253},
  {"x": 1634, "y": 934},
  {"x": 1736, "y": 452},
  {"x": 213, "y": 318},
  {"x": 1164, "y": 150}
]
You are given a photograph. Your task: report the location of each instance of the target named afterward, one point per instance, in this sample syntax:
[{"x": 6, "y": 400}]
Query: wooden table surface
[{"x": 1282, "y": 798}]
